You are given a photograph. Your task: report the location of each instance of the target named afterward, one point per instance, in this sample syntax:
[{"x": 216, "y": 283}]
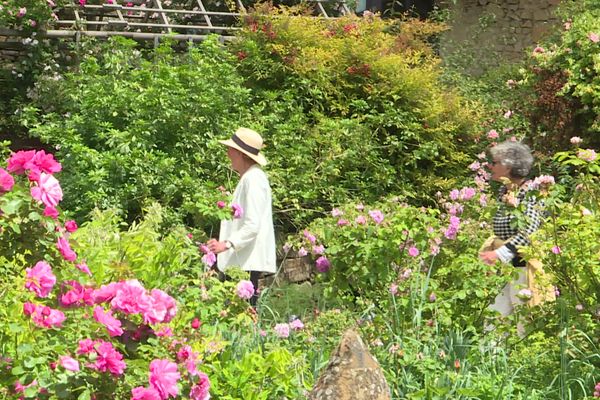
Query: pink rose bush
[{"x": 108, "y": 315}]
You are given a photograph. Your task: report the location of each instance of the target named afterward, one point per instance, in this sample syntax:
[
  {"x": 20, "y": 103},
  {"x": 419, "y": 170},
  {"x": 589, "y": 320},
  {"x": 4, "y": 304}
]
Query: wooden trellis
[{"x": 153, "y": 19}]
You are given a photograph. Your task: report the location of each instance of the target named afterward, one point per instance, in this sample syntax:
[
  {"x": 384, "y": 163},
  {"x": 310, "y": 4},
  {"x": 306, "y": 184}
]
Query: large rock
[{"x": 352, "y": 374}]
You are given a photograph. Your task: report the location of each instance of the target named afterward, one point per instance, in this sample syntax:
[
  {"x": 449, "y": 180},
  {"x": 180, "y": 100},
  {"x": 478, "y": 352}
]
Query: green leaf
[
  {"x": 12, "y": 207},
  {"x": 85, "y": 395}
]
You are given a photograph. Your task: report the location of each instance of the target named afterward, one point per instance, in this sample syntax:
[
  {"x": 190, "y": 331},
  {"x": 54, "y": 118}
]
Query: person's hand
[
  {"x": 488, "y": 257},
  {"x": 215, "y": 246}
]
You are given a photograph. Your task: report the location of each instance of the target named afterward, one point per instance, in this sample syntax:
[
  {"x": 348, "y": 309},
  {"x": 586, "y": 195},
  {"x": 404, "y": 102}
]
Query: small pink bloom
[
  {"x": 83, "y": 268},
  {"x": 221, "y": 204},
  {"x": 69, "y": 363},
  {"x": 282, "y": 330},
  {"x": 360, "y": 220},
  {"x": 508, "y": 114},
  {"x": 594, "y": 37},
  {"x": 51, "y": 212},
  {"x": 28, "y": 308},
  {"x": 65, "y": 249},
  {"x": 86, "y": 346},
  {"x": 245, "y": 290},
  {"x": 309, "y": 236},
  {"x": 377, "y": 216},
  {"x": 47, "y": 190},
  {"x": 22, "y": 12},
  {"x": 493, "y": 134},
  {"x": 237, "y": 211},
  {"x": 511, "y": 83},
  {"x": 318, "y": 250},
  {"x": 343, "y": 222},
  {"x": 587, "y": 155},
  {"x": 40, "y": 279},
  {"x": 336, "y": 212},
  {"x": 71, "y": 226},
  {"x": 6, "y": 181},
  {"x": 296, "y": 324},
  {"x": 556, "y": 250},
  {"x": 432, "y": 297},
  {"x": 576, "y": 140},
  {"x": 538, "y": 50},
  {"x": 302, "y": 252},
  {"x": 393, "y": 289},
  {"x": 413, "y": 251},
  {"x": 195, "y": 323}
]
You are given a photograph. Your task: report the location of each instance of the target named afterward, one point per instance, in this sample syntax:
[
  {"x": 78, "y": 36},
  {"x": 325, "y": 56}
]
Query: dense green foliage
[{"x": 351, "y": 108}]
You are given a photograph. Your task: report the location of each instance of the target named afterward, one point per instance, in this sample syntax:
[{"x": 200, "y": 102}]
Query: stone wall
[{"x": 502, "y": 29}]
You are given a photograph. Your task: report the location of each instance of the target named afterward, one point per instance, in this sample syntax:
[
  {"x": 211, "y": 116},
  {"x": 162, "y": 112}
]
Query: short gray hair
[{"x": 514, "y": 155}]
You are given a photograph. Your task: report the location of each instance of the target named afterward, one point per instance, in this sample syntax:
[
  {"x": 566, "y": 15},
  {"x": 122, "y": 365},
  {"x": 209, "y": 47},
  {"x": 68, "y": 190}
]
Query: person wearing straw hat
[{"x": 248, "y": 241}]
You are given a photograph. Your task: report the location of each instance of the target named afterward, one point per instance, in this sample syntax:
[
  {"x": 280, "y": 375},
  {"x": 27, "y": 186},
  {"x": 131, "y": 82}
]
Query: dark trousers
[{"x": 254, "y": 276}]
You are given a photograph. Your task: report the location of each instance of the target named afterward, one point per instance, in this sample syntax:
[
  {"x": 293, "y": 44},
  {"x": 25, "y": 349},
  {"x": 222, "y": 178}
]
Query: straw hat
[{"x": 248, "y": 142}]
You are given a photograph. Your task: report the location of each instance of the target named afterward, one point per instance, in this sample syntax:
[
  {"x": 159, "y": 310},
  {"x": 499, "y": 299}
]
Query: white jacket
[{"x": 252, "y": 235}]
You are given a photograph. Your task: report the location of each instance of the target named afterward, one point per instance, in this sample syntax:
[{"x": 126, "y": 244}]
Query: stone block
[
  {"x": 352, "y": 374},
  {"x": 296, "y": 269}
]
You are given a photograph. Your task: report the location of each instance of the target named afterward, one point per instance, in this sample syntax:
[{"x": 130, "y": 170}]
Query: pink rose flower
[
  {"x": 45, "y": 163},
  {"x": 556, "y": 250},
  {"x": 40, "y": 279},
  {"x": 245, "y": 290},
  {"x": 69, "y": 363},
  {"x": 200, "y": 391},
  {"x": 46, "y": 317},
  {"x": 195, "y": 323},
  {"x": 65, "y": 249},
  {"x": 71, "y": 226},
  {"x": 108, "y": 359},
  {"x": 393, "y": 289},
  {"x": 20, "y": 161},
  {"x": 221, "y": 204},
  {"x": 322, "y": 264},
  {"x": 113, "y": 325},
  {"x": 163, "y": 377},
  {"x": 51, "y": 212},
  {"x": 6, "y": 181},
  {"x": 47, "y": 190},
  {"x": 594, "y": 37},
  {"x": 142, "y": 393},
  {"x": 377, "y": 216}
]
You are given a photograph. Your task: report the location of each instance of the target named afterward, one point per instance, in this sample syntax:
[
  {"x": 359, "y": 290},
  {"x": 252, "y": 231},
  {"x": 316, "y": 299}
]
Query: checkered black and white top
[{"x": 505, "y": 221}]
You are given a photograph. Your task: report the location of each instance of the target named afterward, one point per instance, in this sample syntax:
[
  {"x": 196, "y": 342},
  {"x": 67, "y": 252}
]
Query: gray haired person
[{"x": 510, "y": 165}]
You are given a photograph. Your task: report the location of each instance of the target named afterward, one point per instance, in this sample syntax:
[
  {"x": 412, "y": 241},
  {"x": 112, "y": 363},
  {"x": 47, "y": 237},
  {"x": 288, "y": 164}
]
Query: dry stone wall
[{"x": 498, "y": 29}]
